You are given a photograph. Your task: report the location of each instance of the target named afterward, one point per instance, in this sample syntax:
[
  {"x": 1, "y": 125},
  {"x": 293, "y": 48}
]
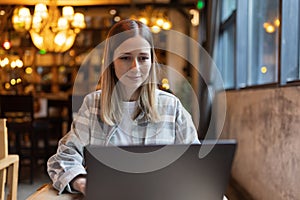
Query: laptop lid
[{"x": 172, "y": 172}]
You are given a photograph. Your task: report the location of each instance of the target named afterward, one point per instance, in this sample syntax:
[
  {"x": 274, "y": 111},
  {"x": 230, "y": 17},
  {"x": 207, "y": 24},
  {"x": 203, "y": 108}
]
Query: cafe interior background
[{"x": 254, "y": 44}]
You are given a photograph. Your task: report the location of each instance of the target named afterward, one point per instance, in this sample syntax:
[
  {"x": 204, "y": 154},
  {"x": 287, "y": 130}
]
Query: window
[
  {"x": 263, "y": 42},
  {"x": 258, "y": 42},
  {"x": 226, "y": 56},
  {"x": 225, "y": 51},
  {"x": 228, "y": 7},
  {"x": 290, "y": 45}
]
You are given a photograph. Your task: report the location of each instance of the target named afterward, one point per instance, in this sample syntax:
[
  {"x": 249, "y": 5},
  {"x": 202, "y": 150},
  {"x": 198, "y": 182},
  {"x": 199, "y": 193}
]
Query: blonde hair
[{"x": 110, "y": 96}]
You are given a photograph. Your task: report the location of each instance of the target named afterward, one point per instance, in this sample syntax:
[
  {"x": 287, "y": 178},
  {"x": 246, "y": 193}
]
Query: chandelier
[
  {"x": 49, "y": 30},
  {"x": 155, "y": 19}
]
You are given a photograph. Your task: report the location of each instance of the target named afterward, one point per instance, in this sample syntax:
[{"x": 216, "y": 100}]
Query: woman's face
[{"x": 132, "y": 61}]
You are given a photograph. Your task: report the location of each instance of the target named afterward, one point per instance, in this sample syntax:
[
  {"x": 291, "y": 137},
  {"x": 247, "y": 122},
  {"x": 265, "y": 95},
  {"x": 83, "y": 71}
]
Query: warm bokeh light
[
  {"x": 277, "y": 22},
  {"x": 144, "y": 20},
  {"x": 155, "y": 19},
  {"x": 63, "y": 23},
  {"x": 269, "y": 28},
  {"x": 19, "y": 63},
  {"x": 4, "y": 62},
  {"x": 49, "y": 30},
  {"x": 263, "y": 69},
  {"x": 68, "y": 12},
  {"x": 28, "y": 70},
  {"x": 160, "y": 21},
  {"x": 2, "y": 12},
  {"x": 6, "y": 45},
  {"x": 117, "y": 18},
  {"x": 165, "y": 83},
  {"x": 167, "y": 25},
  {"x": 195, "y": 17},
  {"x": 60, "y": 38},
  {"x": 13, "y": 64},
  {"x": 72, "y": 52},
  {"x": 165, "y": 80},
  {"x": 155, "y": 29},
  {"x": 112, "y": 12},
  {"x": 13, "y": 81},
  {"x": 7, "y": 86}
]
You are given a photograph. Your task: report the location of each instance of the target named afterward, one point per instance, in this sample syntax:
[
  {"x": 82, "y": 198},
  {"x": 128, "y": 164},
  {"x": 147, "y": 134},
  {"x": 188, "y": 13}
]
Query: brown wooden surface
[
  {"x": 9, "y": 165},
  {"x": 3, "y": 154},
  {"x": 47, "y": 192}
]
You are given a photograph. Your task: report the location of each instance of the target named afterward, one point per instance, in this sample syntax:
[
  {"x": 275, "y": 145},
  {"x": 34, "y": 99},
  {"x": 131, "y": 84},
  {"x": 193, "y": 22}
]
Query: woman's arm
[
  {"x": 68, "y": 162},
  {"x": 186, "y": 132}
]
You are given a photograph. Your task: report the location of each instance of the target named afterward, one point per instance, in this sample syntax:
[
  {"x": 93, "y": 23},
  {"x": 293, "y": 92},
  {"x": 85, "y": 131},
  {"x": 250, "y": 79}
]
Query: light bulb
[
  {"x": 68, "y": 12},
  {"x": 60, "y": 38},
  {"x": 155, "y": 29},
  {"x": 63, "y": 23}
]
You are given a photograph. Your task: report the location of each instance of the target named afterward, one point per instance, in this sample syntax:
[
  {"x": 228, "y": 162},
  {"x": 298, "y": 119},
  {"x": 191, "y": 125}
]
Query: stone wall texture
[{"x": 266, "y": 124}]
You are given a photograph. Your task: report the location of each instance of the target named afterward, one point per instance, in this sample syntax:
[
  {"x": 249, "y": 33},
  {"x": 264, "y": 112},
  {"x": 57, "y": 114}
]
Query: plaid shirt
[{"x": 175, "y": 127}]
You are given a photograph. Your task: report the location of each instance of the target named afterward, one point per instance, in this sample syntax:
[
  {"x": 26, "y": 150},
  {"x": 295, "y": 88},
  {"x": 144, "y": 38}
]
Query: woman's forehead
[{"x": 132, "y": 44}]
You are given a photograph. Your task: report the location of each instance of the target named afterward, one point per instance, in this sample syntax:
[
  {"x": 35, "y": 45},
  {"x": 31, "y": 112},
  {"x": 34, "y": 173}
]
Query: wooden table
[{"x": 47, "y": 192}]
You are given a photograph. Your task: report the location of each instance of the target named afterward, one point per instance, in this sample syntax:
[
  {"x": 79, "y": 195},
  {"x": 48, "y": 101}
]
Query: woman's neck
[{"x": 130, "y": 94}]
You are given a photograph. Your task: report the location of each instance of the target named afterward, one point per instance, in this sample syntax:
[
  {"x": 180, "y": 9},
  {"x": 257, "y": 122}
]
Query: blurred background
[{"x": 235, "y": 68}]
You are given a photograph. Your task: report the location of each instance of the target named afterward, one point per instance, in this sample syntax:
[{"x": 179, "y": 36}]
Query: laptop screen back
[{"x": 185, "y": 178}]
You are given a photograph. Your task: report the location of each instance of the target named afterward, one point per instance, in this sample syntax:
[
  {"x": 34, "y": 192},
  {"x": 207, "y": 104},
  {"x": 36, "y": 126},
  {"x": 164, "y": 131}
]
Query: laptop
[{"x": 171, "y": 172}]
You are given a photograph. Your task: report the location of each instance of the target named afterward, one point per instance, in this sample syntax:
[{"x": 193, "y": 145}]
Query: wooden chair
[
  {"x": 18, "y": 110},
  {"x": 9, "y": 165}
]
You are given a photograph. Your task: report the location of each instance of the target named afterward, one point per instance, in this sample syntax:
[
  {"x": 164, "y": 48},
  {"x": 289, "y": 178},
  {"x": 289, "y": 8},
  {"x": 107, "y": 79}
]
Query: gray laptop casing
[{"x": 187, "y": 178}]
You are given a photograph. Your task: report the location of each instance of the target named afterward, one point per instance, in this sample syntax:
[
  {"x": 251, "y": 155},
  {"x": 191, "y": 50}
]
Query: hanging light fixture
[
  {"x": 155, "y": 19},
  {"x": 49, "y": 30}
]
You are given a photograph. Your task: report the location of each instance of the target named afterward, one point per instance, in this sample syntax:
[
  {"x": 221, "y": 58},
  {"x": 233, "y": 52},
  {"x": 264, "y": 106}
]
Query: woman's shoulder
[
  {"x": 92, "y": 96},
  {"x": 166, "y": 96}
]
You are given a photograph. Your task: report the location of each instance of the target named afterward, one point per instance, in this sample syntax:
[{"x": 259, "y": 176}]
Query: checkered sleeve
[
  {"x": 186, "y": 132},
  {"x": 68, "y": 162}
]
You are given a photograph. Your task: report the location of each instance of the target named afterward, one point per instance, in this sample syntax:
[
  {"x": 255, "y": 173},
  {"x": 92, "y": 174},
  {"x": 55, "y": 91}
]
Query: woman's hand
[{"x": 79, "y": 184}]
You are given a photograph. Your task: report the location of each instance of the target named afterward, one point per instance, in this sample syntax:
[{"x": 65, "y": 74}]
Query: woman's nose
[{"x": 135, "y": 63}]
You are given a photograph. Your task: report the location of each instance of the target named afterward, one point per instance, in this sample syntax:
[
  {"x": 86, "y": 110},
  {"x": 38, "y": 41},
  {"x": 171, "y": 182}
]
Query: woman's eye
[
  {"x": 125, "y": 58},
  {"x": 143, "y": 58}
]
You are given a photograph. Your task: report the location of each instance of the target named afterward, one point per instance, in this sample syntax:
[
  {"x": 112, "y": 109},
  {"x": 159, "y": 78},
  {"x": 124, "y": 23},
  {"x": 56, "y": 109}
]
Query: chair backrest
[
  {"x": 3, "y": 154},
  {"x": 3, "y": 139},
  {"x": 9, "y": 165}
]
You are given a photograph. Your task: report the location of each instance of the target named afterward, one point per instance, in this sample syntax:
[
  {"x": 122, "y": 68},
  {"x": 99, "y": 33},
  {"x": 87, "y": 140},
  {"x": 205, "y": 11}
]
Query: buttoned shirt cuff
[{"x": 64, "y": 181}]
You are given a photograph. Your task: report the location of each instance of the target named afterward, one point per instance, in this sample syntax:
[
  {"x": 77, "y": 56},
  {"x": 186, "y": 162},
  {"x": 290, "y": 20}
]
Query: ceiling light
[{"x": 49, "y": 31}]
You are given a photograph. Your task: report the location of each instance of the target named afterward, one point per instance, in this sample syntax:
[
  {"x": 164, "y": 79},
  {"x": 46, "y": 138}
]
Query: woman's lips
[{"x": 134, "y": 77}]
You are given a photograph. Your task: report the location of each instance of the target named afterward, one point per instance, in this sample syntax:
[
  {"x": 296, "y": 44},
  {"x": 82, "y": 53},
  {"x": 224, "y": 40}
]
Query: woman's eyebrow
[
  {"x": 123, "y": 54},
  {"x": 130, "y": 53}
]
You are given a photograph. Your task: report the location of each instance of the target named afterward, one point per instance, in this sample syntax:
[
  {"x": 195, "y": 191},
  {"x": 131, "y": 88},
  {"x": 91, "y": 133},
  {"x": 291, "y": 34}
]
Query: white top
[{"x": 124, "y": 133}]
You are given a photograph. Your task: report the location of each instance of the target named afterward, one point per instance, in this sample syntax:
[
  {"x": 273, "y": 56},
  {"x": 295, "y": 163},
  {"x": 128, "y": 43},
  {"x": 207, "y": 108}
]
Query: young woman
[{"x": 128, "y": 110}]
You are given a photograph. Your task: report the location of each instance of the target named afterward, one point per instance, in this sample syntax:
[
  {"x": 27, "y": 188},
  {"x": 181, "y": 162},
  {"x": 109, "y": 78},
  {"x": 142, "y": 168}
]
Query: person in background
[{"x": 129, "y": 109}]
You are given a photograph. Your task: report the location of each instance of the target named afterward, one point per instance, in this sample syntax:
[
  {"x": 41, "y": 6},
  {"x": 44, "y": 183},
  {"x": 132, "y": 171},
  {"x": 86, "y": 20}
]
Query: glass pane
[
  {"x": 290, "y": 45},
  {"x": 228, "y": 6},
  {"x": 226, "y": 56},
  {"x": 293, "y": 65},
  {"x": 263, "y": 41}
]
